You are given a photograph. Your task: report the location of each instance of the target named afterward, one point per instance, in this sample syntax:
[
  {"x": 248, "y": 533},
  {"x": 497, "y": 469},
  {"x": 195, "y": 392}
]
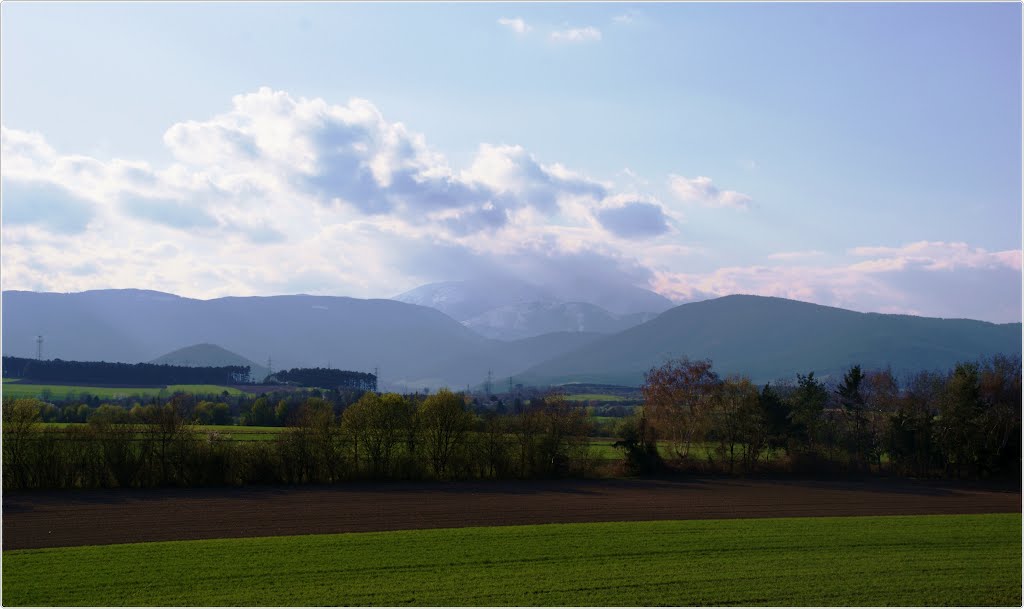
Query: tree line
[
  {"x": 116, "y": 373},
  {"x": 965, "y": 422},
  {"x": 327, "y": 377},
  {"x": 379, "y": 436}
]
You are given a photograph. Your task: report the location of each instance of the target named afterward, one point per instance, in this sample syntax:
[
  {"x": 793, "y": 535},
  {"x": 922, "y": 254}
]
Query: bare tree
[{"x": 676, "y": 398}]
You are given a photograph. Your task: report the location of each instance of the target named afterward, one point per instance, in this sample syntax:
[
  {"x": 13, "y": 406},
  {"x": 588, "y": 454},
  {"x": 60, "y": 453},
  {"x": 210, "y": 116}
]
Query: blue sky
[{"x": 858, "y": 155}]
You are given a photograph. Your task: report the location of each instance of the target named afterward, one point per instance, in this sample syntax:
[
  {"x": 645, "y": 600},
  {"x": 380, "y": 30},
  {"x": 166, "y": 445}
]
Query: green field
[
  {"x": 595, "y": 397},
  {"x": 899, "y": 560},
  {"x": 235, "y": 432},
  {"x": 17, "y": 389},
  {"x": 602, "y": 448}
]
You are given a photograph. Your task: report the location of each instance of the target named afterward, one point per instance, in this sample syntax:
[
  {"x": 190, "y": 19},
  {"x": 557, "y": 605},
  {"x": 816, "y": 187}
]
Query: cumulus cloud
[
  {"x": 325, "y": 191},
  {"x": 702, "y": 190},
  {"x": 582, "y": 34},
  {"x": 285, "y": 194},
  {"x": 515, "y": 24}
]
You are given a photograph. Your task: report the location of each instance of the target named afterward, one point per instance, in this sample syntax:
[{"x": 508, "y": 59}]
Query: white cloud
[
  {"x": 516, "y": 24},
  {"x": 796, "y": 255},
  {"x": 511, "y": 171},
  {"x": 583, "y": 34},
  {"x": 624, "y": 19},
  {"x": 935, "y": 256},
  {"x": 702, "y": 190}
]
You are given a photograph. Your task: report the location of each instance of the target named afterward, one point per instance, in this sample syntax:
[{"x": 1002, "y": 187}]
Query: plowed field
[{"x": 72, "y": 518}]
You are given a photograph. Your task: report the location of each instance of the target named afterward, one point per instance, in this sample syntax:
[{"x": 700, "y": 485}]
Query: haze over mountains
[
  {"x": 418, "y": 346},
  {"x": 510, "y": 309}
]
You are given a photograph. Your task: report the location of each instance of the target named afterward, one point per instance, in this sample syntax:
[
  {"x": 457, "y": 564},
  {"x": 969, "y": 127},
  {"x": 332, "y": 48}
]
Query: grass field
[
  {"x": 16, "y": 389},
  {"x": 898, "y": 560}
]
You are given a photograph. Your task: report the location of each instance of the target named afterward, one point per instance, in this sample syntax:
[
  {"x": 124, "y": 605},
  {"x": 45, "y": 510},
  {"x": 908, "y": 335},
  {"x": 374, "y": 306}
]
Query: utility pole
[
  {"x": 488, "y": 386},
  {"x": 39, "y": 347}
]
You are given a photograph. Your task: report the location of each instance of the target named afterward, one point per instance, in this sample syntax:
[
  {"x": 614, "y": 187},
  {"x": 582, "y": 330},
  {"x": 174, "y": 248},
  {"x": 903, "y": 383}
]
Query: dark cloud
[
  {"x": 45, "y": 204},
  {"x": 342, "y": 171},
  {"x": 634, "y": 220}
]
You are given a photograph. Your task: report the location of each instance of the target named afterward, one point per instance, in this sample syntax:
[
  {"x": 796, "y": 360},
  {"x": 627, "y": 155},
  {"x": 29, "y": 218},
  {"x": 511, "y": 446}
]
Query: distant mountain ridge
[
  {"x": 412, "y": 346},
  {"x": 416, "y": 346},
  {"x": 768, "y": 338}
]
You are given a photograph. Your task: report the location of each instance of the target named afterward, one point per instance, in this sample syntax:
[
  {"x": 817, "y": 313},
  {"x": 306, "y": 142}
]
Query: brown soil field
[{"x": 70, "y": 518}]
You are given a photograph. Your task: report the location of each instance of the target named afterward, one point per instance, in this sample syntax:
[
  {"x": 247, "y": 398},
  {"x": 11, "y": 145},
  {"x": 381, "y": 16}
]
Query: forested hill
[
  {"x": 769, "y": 338},
  {"x": 210, "y": 355}
]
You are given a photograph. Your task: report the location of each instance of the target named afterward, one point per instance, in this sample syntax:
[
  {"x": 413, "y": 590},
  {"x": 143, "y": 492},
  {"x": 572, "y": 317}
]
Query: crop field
[
  {"x": 916, "y": 560},
  {"x": 18, "y": 389}
]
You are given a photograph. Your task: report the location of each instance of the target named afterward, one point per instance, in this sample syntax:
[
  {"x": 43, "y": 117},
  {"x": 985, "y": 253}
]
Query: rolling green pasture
[
  {"x": 900, "y": 560},
  {"x": 23, "y": 390}
]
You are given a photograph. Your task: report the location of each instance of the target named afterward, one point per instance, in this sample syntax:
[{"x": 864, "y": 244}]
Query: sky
[{"x": 866, "y": 156}]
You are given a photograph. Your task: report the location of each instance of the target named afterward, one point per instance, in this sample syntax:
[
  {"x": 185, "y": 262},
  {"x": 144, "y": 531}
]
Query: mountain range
[
  {"x": 416, "y": 346},
  {"x": 412, "y": 346}
]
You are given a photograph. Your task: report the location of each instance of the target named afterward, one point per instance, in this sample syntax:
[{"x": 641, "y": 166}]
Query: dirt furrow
[{"x": 70, "y": 518}]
